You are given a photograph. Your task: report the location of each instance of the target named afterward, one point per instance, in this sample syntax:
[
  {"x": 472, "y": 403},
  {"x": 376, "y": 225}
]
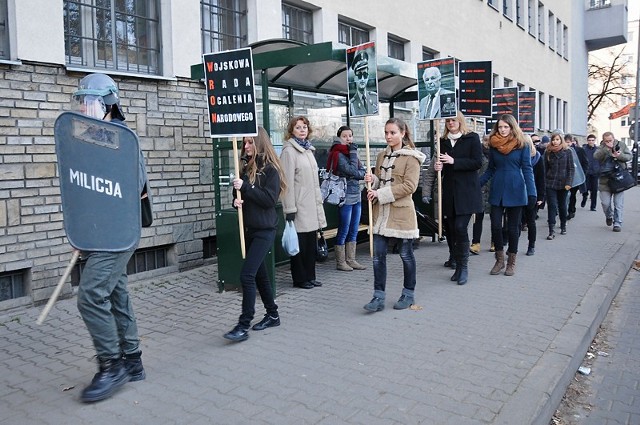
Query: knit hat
[{"x": 545, "y": 139}]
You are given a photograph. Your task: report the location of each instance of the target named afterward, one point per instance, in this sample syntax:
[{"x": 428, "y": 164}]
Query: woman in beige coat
[
  {"x": 396, "y": 177},
  {"x": 302, "y": 202}
]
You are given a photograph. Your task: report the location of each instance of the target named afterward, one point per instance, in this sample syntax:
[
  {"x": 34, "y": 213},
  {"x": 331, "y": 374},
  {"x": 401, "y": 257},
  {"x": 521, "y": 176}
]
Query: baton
[
  {"x": 366, "y": 144},
  {"x": 239, "y": 196},
  {"x": 56, "y": 292}
]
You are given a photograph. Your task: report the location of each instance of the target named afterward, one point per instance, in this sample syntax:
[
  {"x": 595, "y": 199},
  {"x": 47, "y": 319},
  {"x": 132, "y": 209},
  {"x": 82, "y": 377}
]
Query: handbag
[
  {"x": 333, "y": 188},
  {"x": 620, "y": 179},
  {"x": 322, "y": 251},
  {"x": 290, "y": 239}
]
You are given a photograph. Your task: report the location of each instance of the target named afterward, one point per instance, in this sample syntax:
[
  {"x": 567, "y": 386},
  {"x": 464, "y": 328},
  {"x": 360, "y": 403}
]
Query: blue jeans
[
  {"x": 612, "y": 209},
  {"x": 254, "y": 275},
  {"x": 105, "y": 306},
  {"x": 380, "y": 245},
  {"x": 349, "y": 222},
  {"x": 557, "y": 205}
]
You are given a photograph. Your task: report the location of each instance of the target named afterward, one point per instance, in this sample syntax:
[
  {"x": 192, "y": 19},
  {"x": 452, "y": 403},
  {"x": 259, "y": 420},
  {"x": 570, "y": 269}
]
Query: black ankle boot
[
  {"x": 456, "y": 274},
  {"x": 133, "y": 364},
  {"x": 451, "y": 263},
  {"x": 111, "y": 376},
  {"x": 463, "y": 262}
]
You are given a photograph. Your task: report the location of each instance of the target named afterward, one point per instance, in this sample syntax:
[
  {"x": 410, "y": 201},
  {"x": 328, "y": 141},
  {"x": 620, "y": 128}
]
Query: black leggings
[{"x": 513, "y": 215}]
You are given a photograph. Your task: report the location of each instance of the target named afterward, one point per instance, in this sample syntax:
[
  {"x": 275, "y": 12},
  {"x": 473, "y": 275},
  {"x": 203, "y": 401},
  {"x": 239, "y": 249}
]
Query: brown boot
[
  {"x": 499, "y": 265},
  {"x": 511, "y": 264},
  {"x": 341, "y": 264},
  {"x": 351, "y": 256}
]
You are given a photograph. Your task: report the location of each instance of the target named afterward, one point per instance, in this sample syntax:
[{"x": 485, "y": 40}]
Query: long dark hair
[{"x": 264, "y": 155}]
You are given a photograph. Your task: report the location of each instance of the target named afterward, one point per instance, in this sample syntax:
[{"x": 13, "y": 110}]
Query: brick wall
[{"x": 170, "y": 120}]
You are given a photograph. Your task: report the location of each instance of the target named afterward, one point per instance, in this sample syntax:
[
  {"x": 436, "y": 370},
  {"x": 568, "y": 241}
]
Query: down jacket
[{"x": 396, "y": 178}]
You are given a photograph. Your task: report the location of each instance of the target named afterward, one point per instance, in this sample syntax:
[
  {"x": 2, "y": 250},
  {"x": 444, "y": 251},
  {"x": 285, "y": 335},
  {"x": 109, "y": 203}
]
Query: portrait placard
[
  {"x": 362, "y": 80},
  {"x": 436, "y": 89}
]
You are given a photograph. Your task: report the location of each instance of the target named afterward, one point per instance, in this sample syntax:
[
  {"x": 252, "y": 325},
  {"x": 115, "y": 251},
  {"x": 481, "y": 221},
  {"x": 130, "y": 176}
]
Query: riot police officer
[{"x": 103, "y": 298}]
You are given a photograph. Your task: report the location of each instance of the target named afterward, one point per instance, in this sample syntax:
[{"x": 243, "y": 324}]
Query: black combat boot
[
  {"x": 111, "y": 376},
  {"x": 133, "y": 364}
]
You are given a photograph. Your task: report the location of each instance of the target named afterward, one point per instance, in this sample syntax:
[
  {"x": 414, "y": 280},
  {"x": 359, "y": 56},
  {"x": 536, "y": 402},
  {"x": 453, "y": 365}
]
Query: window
[
  {"x": 508, "y": 83},
  {"x": 532, "y": 17},
  {"x": 551, "y": 26},
  {"x": 352, "y": 35},
  {"x": 559, "y": 41},
  {"x": 113, "y": 34},
  {"x": 428, "y": 54},
  {"x": 396, "y": 48},
  {"x": 4, "y": 30},
  {"x": 520, "y": 12},
  {"x": 493, "y": 3},
  {"x": 627, "y": 80},
  {"x": 506, "y": 9},
  {"x": 552, "y": 112},
  {"x": 541, "y": 106},
  {"x": 224, "y": 25},
  {"x": 597, "y": 4},
  {"x": 541, "y": 22},
  {"x": 623, "y": 121},
  {"x": 12, "y": 285},
  {"x": 297, "y": 24},
  {"x": 565, "y": 42}
]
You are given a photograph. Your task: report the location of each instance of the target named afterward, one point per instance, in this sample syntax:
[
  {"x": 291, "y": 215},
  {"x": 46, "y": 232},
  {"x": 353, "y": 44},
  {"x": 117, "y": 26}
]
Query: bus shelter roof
[{"x": 322, "y": 68}]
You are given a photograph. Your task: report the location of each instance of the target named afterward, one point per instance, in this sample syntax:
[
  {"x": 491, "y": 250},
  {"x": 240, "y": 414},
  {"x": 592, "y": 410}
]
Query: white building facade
[{"x": 149, "y": 46}]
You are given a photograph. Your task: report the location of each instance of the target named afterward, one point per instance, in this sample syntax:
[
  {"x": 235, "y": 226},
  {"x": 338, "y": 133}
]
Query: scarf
[
  {"x": 334, "y": 154},
  {"x": 504, "y": 145},
  {"x": 454, "y": 138},
  {"x": 304, "y": 143}
]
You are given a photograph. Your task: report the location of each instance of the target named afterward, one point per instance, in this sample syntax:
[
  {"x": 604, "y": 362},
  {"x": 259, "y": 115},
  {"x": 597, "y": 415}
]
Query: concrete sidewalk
[{"x": 499, "y": 350}]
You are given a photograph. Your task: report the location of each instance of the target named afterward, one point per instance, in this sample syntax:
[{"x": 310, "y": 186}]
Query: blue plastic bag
[{"x": 290, "y": 239}]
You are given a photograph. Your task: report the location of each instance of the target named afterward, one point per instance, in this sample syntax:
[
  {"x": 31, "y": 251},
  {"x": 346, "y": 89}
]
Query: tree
[{"x": 608, "y": 79}]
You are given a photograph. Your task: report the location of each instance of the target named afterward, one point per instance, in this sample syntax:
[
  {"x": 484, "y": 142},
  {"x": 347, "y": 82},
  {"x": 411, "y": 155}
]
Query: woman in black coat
[{"x": 460, "y": 159}]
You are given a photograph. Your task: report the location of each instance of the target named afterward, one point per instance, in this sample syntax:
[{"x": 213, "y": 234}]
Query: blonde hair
[
  {"x": 529, "y": 142},
  {"x": 463, "y": 124},
  {"x": 264, "y": 154}
]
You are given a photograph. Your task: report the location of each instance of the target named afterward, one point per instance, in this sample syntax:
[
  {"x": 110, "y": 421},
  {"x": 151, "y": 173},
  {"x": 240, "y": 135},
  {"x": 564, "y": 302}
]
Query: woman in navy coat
[
  {"x": 460, "y": 159},
  {"x": 512, "y": 187}
]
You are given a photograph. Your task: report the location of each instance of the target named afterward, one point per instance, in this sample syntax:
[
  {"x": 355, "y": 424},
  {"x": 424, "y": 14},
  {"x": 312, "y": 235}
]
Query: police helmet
[{"x": 97, "y": 95}]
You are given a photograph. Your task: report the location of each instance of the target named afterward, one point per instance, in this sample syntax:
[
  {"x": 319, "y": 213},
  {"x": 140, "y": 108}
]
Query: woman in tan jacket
[
  {"x": 396, "y": 177},
  {"x": 302, "y": 202}
]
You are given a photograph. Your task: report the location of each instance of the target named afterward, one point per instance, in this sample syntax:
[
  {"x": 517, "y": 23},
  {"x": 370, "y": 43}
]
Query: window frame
[
  {"x": 396, "y": 42},
  {"x": 350, "y": 29},
  {"x": 92, "y": 47},
  {"x": 220, "y": 38},
  {"x": 288, "y": 30},
  {"x": 5, "y": 35}
]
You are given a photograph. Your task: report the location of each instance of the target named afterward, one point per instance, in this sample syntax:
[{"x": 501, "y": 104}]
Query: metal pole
[{"x": 634, "y": 166}]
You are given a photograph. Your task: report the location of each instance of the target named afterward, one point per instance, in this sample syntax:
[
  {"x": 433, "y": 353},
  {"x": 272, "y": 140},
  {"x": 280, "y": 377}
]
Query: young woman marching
[
  {"x": 261, "y": 183},
  {"x": 460, "y": 159},
  {"x": 512, "y": 187},
  {"x": 558, "y": 162},
  {"x": 396, "y": 177}
]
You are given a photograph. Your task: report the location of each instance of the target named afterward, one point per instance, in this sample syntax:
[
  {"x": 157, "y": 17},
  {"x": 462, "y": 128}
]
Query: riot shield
[{"x": 98, "y": 168}]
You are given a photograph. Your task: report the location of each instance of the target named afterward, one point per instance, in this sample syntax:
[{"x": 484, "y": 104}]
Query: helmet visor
[{"x": 90, "y": 105}]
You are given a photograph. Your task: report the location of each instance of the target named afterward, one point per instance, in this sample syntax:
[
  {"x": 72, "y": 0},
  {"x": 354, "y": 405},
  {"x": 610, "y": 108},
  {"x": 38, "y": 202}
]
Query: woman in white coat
[{"x": 302, "y": 203}]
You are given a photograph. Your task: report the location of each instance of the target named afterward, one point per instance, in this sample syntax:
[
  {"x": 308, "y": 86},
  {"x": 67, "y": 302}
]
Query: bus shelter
[{"x": 299, "y": 79}]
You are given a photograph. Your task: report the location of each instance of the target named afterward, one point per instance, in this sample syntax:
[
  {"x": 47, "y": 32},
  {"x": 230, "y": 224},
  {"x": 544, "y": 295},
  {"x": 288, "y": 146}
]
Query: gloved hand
[
  {"x": 532, "y": 201},
  {"x": 352, "y": 146},
  {"x": 290, "y": 216},
  {"x": 426, "y": 199}
]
